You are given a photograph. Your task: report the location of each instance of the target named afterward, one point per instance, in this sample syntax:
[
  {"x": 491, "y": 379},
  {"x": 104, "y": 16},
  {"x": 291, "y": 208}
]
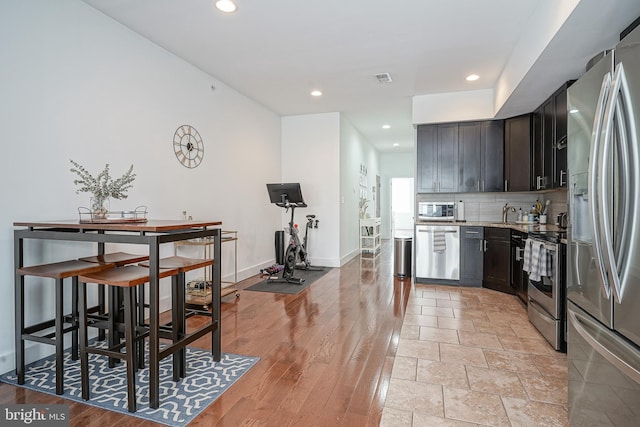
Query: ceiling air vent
[{"x": 383, "y": 78}]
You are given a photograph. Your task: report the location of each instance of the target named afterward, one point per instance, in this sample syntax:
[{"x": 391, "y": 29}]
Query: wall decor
[{"x": 188, "y": 146}]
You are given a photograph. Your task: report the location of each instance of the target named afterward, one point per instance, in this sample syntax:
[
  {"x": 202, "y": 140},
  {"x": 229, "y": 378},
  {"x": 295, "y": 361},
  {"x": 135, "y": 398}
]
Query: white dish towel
[
  {"x": 439, "y": 243},
  {"x": 537, "y": 260}
]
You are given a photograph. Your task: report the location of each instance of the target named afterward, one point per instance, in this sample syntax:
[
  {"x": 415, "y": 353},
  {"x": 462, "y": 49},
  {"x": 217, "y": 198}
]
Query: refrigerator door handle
[
  {"x": 614, "y": 349},
  {"x": 604, "y": 187},
  {"x": 594, "y": 198},
  {"x": 618, "y": 109},
  {"x": 630, "y": 165}
]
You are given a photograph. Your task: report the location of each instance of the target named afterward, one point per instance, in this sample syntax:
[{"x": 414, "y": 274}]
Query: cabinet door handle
[
  {"x": 472, "y": 232},
  {"x": 562, "y": 181},
  {"x": 481, "y": 245},
  {"x": 483, "y": 185},
  {"x": 506, "y": 185},
  {"x": 478, "y": 186},
  {"x": 538, "y": 182}
]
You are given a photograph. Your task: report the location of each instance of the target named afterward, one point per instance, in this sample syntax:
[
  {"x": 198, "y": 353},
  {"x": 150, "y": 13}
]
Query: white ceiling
[{"x": 277, "y": 51}]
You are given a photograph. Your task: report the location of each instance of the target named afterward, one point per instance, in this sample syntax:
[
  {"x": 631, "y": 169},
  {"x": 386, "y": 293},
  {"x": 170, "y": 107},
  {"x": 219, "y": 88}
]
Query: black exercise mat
[{"x": 276, "y": 286}]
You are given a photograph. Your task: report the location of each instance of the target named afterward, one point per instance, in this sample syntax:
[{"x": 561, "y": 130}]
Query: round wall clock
[{"x": 188, "y": 146}]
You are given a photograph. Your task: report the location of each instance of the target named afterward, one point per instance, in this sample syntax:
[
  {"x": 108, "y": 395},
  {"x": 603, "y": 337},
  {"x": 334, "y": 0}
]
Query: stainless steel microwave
[{"x": 436, "y": 211}]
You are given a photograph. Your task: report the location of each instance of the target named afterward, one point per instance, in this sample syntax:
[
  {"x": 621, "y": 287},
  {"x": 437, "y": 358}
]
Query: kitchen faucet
[{"x": 505, "y": 210}]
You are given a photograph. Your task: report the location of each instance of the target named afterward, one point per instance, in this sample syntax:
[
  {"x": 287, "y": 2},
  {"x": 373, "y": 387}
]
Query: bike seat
[{"x": 310, "y": 216}]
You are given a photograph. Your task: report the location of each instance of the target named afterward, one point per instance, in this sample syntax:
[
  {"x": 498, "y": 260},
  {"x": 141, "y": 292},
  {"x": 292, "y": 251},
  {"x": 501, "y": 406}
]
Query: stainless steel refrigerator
[{"x": 603, "y": 252}]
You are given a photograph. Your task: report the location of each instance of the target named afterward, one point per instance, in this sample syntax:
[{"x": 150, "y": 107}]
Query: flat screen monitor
[{"x": 286, "y": 192}]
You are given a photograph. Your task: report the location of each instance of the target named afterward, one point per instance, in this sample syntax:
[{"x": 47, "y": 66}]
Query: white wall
[
  {"x": 313, "y": 146},
  {"x": 355, "y": 151},
  {"x": 393, "y": 165},
  {"x": 545, "y": 21},
  {"x": 453, "y": 107},
  {"x": 75, "y": 84},
  {"x": 310, "y": 156}
]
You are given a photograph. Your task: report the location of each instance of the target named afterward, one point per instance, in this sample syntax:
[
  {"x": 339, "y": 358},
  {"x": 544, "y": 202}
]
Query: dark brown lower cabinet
[
  {"x": 519, "y": 278},
  {"x": 497, "y": 259},
  {"x": 471, "y": 255}
]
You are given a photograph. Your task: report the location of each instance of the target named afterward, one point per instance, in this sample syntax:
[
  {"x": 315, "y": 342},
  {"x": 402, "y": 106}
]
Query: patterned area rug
[{"x": 180, "y": 402}]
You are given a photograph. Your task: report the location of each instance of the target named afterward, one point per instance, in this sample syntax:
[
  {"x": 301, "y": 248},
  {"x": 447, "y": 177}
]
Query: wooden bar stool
[
  {"x": 58, "y": 271},
  {"x": 178, "y": 314},
  {"x": 127, "y": 278},
  {"x": 119, "y": 259}
]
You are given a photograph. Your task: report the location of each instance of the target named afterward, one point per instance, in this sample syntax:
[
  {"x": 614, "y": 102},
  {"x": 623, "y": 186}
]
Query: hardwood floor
[
  {"x": 326, "y": 353},
  {"x": 361, "y": 348}
]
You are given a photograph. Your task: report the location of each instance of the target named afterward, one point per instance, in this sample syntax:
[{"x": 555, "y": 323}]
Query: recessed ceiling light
[
  {"x": 226, "y": 6},
  {"x": 396, "y": 145},
  {"x": 472, "y": 77},
  {"x": 385, "y": 126},
  {"x": 573, "y": 111},
  {"x": 316, "y": 93}
]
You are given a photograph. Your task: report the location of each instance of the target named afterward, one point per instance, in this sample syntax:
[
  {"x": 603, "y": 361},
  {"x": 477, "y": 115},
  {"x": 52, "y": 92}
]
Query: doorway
[
  {"x": 402, "y": 206},
  {"x": 377, "y": 191}
]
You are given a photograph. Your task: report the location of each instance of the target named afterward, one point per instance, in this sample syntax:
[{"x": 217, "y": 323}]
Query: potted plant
[{"x": 102, "y": 187}]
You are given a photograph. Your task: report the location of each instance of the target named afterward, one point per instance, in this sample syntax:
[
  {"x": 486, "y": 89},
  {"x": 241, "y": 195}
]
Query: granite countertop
[{"x": 526, "y": 228}]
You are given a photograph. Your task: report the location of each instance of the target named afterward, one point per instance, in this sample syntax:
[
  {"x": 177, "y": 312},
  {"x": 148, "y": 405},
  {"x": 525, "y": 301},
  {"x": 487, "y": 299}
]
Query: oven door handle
[{"x": 534, "y": 304}]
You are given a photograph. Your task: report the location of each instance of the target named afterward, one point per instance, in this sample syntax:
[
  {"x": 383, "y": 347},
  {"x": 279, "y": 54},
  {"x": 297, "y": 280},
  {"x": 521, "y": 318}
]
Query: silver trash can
[{"x": 402, "y": 257}]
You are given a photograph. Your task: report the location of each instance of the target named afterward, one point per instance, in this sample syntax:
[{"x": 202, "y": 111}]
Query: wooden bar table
[{"x": 152, "y": 233}]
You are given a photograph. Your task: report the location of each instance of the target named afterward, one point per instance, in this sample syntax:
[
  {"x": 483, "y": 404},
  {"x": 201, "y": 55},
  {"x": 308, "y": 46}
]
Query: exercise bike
[{"x": 289, "y": 196}]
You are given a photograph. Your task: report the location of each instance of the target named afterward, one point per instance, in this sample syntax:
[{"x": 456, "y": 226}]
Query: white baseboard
[
  {"x": 325, "y": 262},
  {"x": 348, "y": 257},
  {"x": 7, "y": 361}
]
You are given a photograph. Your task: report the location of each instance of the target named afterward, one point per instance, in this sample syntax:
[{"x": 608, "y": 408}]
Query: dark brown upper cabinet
[
  {"x": 517, "y": 153},
  {"x": 550, "y": 142},
  {"x": 481, "y": 150},
  {"x": 437, "y": 156},
  {"x": 560, "y": 167}
]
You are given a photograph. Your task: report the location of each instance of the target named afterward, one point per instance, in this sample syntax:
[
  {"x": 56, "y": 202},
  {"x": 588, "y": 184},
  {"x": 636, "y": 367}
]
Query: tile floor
[{"x": 468, "y": 357}]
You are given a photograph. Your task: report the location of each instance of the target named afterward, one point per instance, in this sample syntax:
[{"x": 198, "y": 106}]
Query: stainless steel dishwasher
[{"x": 437, "y": 252}]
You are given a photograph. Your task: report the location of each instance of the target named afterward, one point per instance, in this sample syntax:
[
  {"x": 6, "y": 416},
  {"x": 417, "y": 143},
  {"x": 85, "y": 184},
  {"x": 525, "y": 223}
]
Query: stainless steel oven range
[{"x": 547, "y": 307}]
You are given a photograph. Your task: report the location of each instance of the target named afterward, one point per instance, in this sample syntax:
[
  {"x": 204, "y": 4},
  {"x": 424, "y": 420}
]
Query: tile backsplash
[{"x": 488, "y": 206}]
